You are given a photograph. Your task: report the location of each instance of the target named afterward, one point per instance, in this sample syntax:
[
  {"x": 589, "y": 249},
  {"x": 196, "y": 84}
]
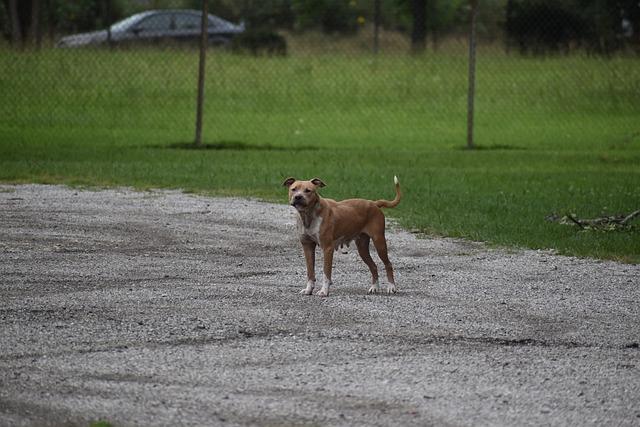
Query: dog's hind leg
[{"x": 362, "y": 243}]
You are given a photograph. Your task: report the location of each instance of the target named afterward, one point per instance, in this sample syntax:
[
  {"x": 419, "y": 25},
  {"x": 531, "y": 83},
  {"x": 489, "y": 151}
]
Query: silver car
[{"x": 157, "y": 27}]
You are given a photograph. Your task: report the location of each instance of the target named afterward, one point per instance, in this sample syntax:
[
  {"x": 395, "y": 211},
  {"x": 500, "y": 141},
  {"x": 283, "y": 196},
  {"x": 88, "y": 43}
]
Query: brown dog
[{"x": 330, "y": 224}]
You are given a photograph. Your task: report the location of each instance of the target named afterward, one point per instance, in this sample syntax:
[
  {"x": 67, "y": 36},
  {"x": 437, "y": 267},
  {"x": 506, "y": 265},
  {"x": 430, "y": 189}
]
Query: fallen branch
[
  {"x": 608, "y": 223},
  {"x": 575, "y": 221},
  {"x": 630, "y": 217}
]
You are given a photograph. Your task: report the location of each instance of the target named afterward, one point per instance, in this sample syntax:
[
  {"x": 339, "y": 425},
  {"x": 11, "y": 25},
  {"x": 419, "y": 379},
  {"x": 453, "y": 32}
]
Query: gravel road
[{"x": 161, "y": 308}]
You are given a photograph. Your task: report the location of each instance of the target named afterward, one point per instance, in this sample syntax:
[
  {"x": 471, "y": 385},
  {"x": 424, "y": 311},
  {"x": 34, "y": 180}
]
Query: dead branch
[
  {"x": 630, "y": 217},
  {"x": 615, "y": 222},
  {"x": 575, "y": 221}
]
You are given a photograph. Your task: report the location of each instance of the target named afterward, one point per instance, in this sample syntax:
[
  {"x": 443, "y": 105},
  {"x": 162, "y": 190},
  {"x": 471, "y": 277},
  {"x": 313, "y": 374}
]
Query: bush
[
  {"x": 542, "y": 27},
  {"x": 258, "y": 42},
  {"x": 330, "y": 16},
  {"x": 547, "y": 26}
]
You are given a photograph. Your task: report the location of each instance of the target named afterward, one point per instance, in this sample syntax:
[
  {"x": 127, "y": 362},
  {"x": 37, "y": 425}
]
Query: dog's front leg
[
  {"x": 309, "y": 248},
  {"x": 328, "y": 266}
]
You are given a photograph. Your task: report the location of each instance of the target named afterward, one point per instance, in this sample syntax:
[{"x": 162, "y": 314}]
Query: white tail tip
[{"x": 395, "y": 179}]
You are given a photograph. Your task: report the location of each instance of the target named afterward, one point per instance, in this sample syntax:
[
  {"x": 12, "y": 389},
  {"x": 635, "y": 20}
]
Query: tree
[
  {"x": 547, "y": 26},
  {"x": 428, "y": 18},
  {"x": 331, "y": 16},
  {"x": 256, "y": 14},
  {"x": 419, "y": 27},
  {"x": 19, "y": 15},
  {"x": 14, "y": 21},
  {"x": 29, "y": 20}
]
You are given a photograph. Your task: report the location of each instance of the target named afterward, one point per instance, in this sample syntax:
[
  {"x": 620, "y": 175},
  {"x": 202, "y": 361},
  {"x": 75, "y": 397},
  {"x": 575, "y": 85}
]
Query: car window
[
  {"x": 125, "y": 23},
  {"x": 187, "y": 21},
  {"x": 160, "y": 22},
  {"x": 218, "y": 23}
]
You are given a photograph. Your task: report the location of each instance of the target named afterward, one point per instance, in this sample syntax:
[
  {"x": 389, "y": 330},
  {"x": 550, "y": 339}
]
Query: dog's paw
[
  {"x": 373, "y": 289},
  {"x": 308, "y": 290},
  {"x": 391, "y": 289},
  {"x": 323, "y": 293}
]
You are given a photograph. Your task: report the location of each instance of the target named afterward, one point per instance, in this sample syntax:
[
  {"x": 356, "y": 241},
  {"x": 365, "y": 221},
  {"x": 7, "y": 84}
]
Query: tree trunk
[
  {"x": 419, "y": 31},
  {"x": 376, "y": 26},
  {"x": 34, "y": 29},
  {"x": 16, "y": 32}
]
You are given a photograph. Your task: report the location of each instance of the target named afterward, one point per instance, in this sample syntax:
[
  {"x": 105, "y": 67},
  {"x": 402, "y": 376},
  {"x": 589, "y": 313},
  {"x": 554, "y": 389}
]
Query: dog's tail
[{"x": 393, "y": 203}]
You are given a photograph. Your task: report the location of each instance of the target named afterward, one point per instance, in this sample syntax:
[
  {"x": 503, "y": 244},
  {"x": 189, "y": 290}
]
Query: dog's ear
[
  {"x": 287, "y": 182},
  {"x": 318, "y": 182}
]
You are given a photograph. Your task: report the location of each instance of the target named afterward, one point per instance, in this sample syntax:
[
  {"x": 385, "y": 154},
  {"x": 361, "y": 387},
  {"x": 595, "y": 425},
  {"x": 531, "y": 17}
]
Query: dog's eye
[
  {"x": 306, "y": 190},
  {"x": 294, "y": 189}
]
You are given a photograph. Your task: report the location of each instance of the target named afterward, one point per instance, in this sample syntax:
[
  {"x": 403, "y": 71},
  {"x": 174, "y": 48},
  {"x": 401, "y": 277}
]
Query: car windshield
[
  {"x": 125, "y": 23},
  {"x": 219, "y": 23}
]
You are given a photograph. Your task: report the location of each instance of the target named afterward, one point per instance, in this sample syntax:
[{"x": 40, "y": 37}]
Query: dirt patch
[{"x": 161, "y": 308}]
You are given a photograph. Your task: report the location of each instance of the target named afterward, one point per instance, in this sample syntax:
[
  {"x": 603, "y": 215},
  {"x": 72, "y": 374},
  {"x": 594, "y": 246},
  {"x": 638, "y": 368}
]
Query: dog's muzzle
[{"x": 298, "y": 202}]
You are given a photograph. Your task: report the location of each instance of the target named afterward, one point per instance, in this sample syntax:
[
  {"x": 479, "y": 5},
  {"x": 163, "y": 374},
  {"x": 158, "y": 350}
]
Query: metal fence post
[
  {"x": 473, "y": 14},
  {"x": 204, "y": 33}
]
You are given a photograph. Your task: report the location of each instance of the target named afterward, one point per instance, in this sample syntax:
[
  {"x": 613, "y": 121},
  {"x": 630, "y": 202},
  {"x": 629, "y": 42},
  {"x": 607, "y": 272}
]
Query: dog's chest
[{"x": 312, "y": 231}]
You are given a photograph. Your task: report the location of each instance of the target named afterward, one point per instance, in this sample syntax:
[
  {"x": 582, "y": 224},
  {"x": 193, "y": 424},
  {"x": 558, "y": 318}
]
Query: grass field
[{"x": 556, "y": 135}]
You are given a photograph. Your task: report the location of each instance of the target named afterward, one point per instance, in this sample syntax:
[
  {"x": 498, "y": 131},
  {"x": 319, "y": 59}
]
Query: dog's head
[{"x": 303, "y": 194}]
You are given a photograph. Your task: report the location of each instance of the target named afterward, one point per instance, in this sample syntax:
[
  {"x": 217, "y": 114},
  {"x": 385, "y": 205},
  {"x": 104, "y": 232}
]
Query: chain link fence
[{"x": 308, "y": 71}]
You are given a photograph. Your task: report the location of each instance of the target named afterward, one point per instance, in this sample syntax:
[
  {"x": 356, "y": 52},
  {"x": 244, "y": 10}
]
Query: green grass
[{"x": 559, "y": 134}]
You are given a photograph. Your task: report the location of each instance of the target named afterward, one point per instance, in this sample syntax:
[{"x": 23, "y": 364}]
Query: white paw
[
  {"x": 323, "y": 292},
  {"x": 373, "y": 289},
  {"x": 391, "y": 289},
  {"x": 309, "y": 289}
]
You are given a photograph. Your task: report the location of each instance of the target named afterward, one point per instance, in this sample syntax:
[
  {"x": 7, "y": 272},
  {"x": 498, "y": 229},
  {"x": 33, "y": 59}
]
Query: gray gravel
[{"x": 162, "y": 308}]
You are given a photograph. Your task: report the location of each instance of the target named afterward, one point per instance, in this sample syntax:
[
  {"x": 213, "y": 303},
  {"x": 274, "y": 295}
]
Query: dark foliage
[
  {"x": 549, "y": 26},
  {"x": 260, "y": 42}
]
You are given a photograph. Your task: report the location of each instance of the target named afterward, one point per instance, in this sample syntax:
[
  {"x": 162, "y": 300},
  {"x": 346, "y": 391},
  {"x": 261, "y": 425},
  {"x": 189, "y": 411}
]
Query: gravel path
[{"x": 162, "y": 308}]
